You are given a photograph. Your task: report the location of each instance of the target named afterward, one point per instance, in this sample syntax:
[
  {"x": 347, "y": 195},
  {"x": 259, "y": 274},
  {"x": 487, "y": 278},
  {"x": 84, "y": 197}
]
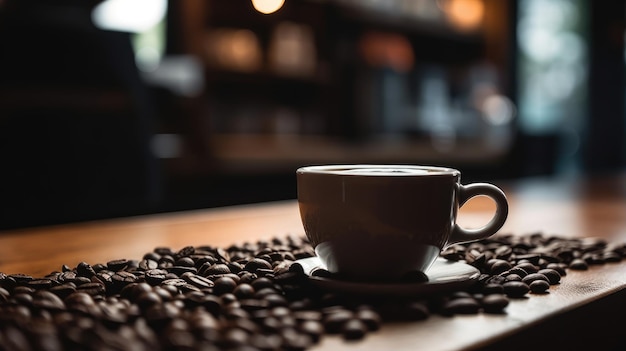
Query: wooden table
[{"x": 583, "y": 311}]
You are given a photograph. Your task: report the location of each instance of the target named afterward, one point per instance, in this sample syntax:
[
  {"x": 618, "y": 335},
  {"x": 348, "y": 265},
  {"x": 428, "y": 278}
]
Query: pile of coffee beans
[{"x": 252, "y": 297}]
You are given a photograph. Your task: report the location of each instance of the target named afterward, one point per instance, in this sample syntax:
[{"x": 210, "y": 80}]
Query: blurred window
[{"x": 552, "y": 71}]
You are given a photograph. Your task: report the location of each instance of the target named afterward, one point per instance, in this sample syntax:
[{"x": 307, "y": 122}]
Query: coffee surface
[
  {"x": 378, "y": 170},
  {"x": 385, "y": 171}
]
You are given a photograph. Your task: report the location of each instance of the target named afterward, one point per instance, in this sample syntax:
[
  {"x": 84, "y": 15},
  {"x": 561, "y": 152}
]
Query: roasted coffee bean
[
  {"x": 243, "y": 291},
  {"x": 257, "y": 263},
  {"x": 275, "y": 300},
  {"x": 234, "y": 267},
  {"x": 185, "y": 251},
  {"x": 539, "y": 286},
  {"x": 23, "y": 290},
  {"x": 63, "y": 290},
  {"x": 224, "y": 285},
  {"x": 4, "y": 295},
  {"x": 531, "y": 258},
  {"x": 527, "y": 267},
  {"x": 148, "y": 264},
  {"x": 81, "y": 280},
  {"x": 533, "y": 277},
  {"x": 578, "y": 265},
  {"x": 70, "y": 277},
  {"x": 20, "y": 278},
  {"x": 214, "y": 269},
  {"x": 370, "y": 318},
  {"x": 559, "y": 267},
  {"x": 39, "y": 284},
  {"x": 497, "y": 266},
  {"x": 92, "y": 289},
  {"x": 292, "y": 340},
  {"x": 513, "y": 278},
  {"x": 265, "y": 342},
  {"x": 47, "y": 300},
  {"x": 23, "y": 299},
  {"x": 518, "y": 271},
  {"x": 148, "y": 299},
  {"x": 494, "y": 303},
  {"x": 198, "y": 281},
  {"x": 463, "y": 305},
  {"x": 515, "y": 289},
  {"x": 334, "y": 322},
  {"x": 98, "y": 267},
  {"x": 611, "y": 257},
  {"x": 117, "y": 265},
  {"x": 354, "y": 329},
  {"x": 553, "y": 276},
  {"x": 312, "y": 328},
  {"x": 262, "y": 283}
]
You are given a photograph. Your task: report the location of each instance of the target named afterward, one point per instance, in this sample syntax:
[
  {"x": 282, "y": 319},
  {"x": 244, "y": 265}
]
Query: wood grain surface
[{"x": 576, "y": 313}]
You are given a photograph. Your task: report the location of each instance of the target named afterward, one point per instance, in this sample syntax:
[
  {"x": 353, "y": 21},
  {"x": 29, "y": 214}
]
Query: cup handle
[{"x": 467, "y": 192}]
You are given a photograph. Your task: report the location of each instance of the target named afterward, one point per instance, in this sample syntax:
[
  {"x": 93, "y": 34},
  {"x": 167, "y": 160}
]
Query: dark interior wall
[{"x": 605, "y": 139}]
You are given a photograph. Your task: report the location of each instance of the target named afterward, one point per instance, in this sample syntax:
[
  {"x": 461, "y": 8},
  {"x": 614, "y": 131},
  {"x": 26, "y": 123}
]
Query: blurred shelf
[
  {"x": 284, "y": 153},
  {"x": 407, "y": 24}
]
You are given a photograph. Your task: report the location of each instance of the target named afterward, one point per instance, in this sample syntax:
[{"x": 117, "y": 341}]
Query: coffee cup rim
[{"x": 340, "y": 170}]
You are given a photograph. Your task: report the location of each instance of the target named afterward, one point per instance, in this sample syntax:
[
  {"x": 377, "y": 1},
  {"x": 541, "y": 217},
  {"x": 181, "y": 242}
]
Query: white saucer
[{"x": 443, "y": 276}]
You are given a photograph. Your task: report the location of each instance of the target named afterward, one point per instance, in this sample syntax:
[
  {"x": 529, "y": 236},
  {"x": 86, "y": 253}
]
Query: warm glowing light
[
  {"x": 464, "y": 14},
  {"x": 267, "y": 6}
]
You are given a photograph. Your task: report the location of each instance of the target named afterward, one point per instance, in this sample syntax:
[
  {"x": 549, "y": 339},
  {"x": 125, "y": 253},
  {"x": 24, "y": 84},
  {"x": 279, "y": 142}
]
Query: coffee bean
[
  {"x": 20, "y": 278},
  {"x": 533, "y": 277},
  {"x": 47, "y": 300},
  {"x": 515, "y": 289},
  {"x": 262, "y": 283},
  {"x": 492, "y": 288},
  {"x": 518, "y": 271},
  {"x": 494, "y": 303},
  {"x": 63, "y": 290},
  {"x": 527, "y": 267},
  {"x": 265, "y": 342},
  {"x": 354, "y": 329},
  {"x": 553, "y": 276},
  {"x": 92, "y": 289},
  {"x": 214, "y": 269},
  {"x": 198, "y": 281},
  {"x": 117, "y": 265},
  {"x": 531, "y": 258},
  {"x": 23, "y": 290},
  {"x": 370, "y": 318},
  {"x": 243, "y": 291},
  {"x": 498, "y": 266},
  {"x": 334, "y": 322},
  {"x": 559, "y": 267},
  {"x": 185, "y": 251},
  {"x": 539, "y": 286},
  {"x": 513, "y": 277},
  {"x": 155, "y": 276},
  {"x": 312, "y": 328},
  {"x": 292, "y": 340},
  {"x": 579, "y": 265},
  {"x": 463, "y": 305},
  {"x": 224, "y": 285}
]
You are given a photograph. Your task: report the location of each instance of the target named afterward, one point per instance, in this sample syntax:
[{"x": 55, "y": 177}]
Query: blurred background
[{"x": 118, "y": 108}]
